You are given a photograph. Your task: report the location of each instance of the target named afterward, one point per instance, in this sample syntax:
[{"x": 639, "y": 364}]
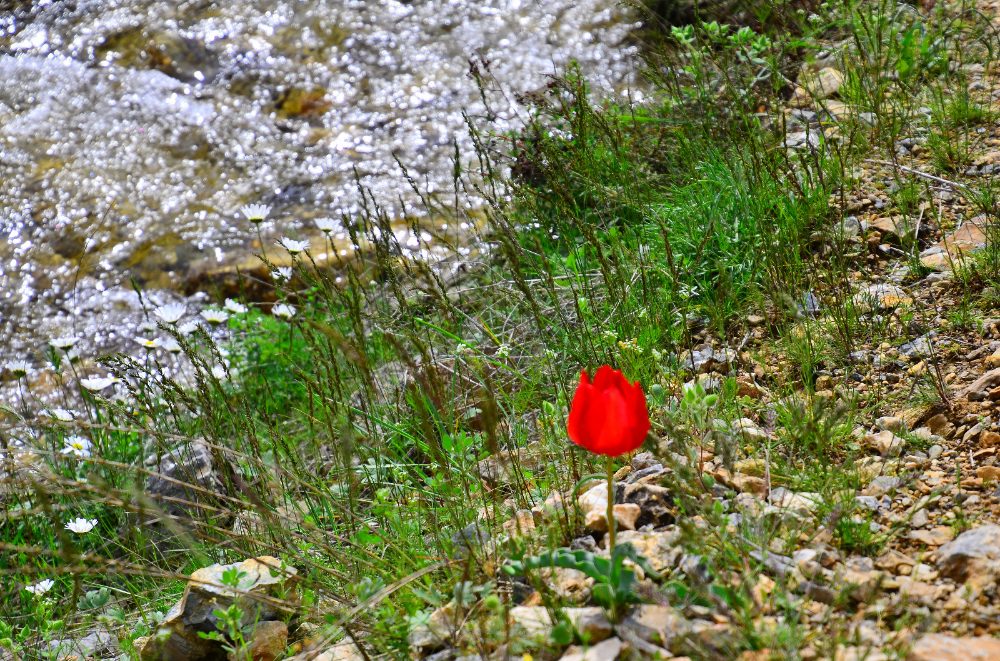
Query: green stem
[
  {"x": 611, "y": 503},
  {"x": 260, "y": 240}
]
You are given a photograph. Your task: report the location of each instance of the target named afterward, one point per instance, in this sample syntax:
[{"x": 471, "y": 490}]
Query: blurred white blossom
[
  {"x": 293, "y": 247},
  {"x": 171, "y": 313},
  {"x": 214, "y": 316},
  {"x": 256, "y": 213},
  {"x": 282, "y": 310},
  {"x": 327, "y": 225},
  {"x": 81, "y": 526},
  {"x": 98, "y": 382},
  {"x": 18, "y": 367},
  {"x": 188, "y": 328},
  {"x": 63, "y": 342},
  {"x": 62, "y": 414},
  {"x": 235, "y": 306},
  {"x": 170, "y": 344},
  {"x": 41, "y": 587},
  {"x": 77, "y": 445}
]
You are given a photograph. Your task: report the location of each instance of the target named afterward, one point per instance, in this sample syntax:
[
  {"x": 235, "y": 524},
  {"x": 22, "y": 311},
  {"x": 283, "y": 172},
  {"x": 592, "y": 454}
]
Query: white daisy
[
  {"x": 256, "y": 213},
  {"x": 62, "y": 414},
  {"x": 327, "y": 225},
  {"x": 188, "y": 328},
  {"x": 147, "y": 327},
  {"x": 98, "y": 383},
  {"x": 293, "y": 247},
  {"x": 41, "y": 587},
  {"x": 282, "y": 310},
  {"x": 282, "y": 273},
  {"x": 219, "y": 372},
  {"x": 171, "y": 313},
  {"x": 146, "y": 342},
  {"x": 214, "y": 316},
  {"x": 235, "y": 306},
  {"x": 63, "y": 342},
  {"x": 73, "y": 355},
  {"x": 81, "y": 526},
  {"x": 77, "y": 445},
  {"x": 170, "y": 344},
  {"x": 18, "y": 367}
]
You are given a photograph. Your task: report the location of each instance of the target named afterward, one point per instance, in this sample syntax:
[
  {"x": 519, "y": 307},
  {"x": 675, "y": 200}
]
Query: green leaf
[{"x": 562, "y": 633}]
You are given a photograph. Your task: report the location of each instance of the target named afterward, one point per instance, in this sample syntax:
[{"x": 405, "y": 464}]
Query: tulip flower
[{"x": 608, "y": 417}]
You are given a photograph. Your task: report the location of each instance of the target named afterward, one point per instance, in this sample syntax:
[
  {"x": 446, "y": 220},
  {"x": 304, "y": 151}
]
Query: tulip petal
[
  {"x": 608, "y": 415},
  {"x": 574, "y": 426},
  {"x": 607, "y": 422},
  {"x": 607, "y": 378}
]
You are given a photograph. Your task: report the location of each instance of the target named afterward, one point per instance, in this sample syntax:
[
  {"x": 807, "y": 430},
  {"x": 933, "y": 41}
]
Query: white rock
[{"x": 607, "y": 650}]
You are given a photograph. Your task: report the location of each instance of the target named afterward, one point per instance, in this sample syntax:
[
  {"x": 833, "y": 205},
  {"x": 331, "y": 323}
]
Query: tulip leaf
[{"x": 614, "y": 582}]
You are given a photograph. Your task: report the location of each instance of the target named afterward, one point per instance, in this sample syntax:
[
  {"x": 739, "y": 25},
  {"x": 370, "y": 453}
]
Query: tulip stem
[{"x": 611, "y": 503}]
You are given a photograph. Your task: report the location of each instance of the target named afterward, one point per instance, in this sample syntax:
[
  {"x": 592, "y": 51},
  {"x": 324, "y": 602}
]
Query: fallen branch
[{"x": 925, "y": 175}]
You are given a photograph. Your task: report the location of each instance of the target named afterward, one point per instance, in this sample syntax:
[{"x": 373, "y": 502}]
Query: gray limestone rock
[{"x": 973, "y": 556}]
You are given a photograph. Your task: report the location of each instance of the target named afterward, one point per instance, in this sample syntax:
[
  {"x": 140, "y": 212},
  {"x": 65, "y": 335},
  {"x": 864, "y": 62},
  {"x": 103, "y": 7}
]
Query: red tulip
[{"x": 609, "y": 415}]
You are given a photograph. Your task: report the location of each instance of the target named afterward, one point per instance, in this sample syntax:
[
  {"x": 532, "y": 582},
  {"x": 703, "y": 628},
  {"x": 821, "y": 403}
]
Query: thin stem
[
  {"x": 611, "y": 503},
  {"x": 260, "y": 240}
]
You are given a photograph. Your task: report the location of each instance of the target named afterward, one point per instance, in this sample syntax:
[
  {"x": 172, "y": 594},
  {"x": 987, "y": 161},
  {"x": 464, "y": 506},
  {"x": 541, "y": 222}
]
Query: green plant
[
  {"x": 614, "y": 582},
  {"x": 232, "y": 632},
  {"x": 94, "y": 600}
]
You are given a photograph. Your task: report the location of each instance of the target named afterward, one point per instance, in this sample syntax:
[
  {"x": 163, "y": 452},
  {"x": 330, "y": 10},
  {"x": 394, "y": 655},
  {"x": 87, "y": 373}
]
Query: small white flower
[
  {"x": 171, "y": 313},
  {"x": 282, "y": 273},
  {"x": 214, "y": 316},
  {"x": 219, "y": 372},
  {"x": 282, "y": 310},
  {"x": 62, "y": 414},
  {"x": 293, "y": 247},
  {"x": 81, "y": 526},
  {"x": 146, "y": 342},
  {"x": 657, "y": 354},
  {"x": 687, "y": 291},
  {"x": 464, "y": 349},
  {"x": 77, "y": 445},
  {"x": 18, "y": 367},
  {"x": 41, "y": 587},
  {"x": 256, "y": 213},
  {"x": 327, "y": 225},
  {"x": 503, "y": 350},
  {"x": 235, "y": 306},
  {"x": 147, "y": 327},
  {"x": 170, "y": 344},
  {"x": 73, "y": 355},
  {"x": 187, "y": 328},
  {"x": 98, "y": 383},
  {"x": 63, "y": 342}
]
